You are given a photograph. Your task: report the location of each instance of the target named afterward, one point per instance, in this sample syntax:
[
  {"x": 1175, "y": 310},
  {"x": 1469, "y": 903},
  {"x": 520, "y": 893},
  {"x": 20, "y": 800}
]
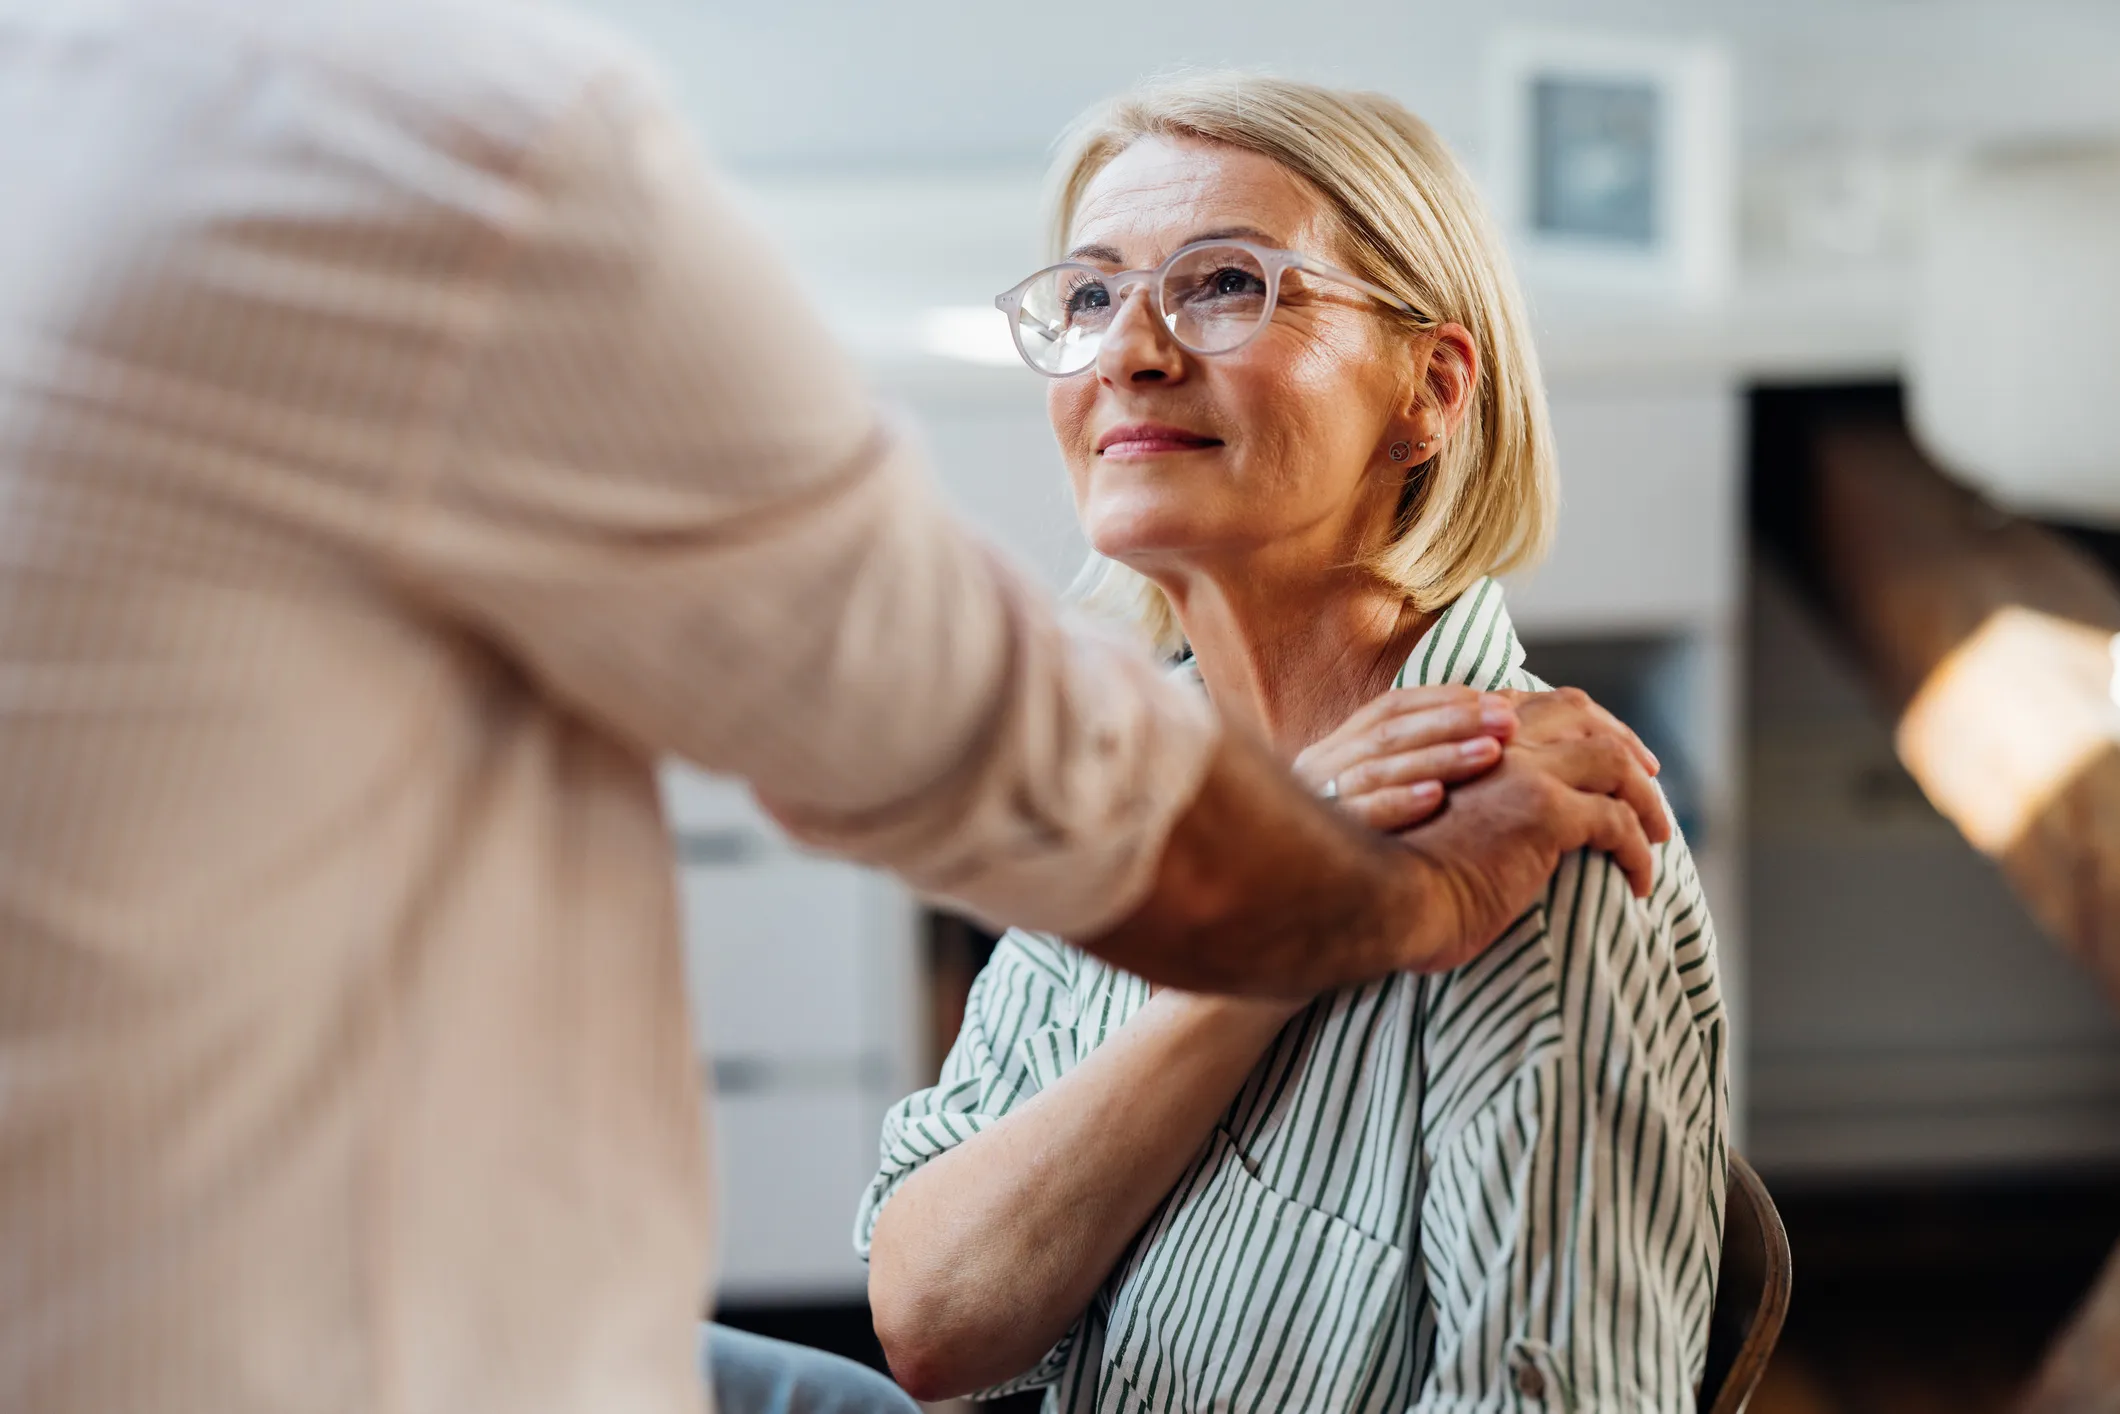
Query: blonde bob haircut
[{"x": 1408, "y": 220}]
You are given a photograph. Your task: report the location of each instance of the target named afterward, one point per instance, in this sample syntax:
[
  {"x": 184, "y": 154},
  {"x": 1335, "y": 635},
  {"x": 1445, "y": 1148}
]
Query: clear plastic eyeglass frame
[{"x": 1271, "y": 261}]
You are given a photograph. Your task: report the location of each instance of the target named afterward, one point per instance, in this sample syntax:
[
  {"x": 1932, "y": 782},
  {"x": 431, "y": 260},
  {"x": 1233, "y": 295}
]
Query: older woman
[{"x": 1293, "y": 383}]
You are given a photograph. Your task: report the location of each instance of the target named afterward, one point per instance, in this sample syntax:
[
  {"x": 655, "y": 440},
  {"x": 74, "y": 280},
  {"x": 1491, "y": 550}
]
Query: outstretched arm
[
  {"x": 1262, "y": 890},
  {"x": 654, "y": 485}
]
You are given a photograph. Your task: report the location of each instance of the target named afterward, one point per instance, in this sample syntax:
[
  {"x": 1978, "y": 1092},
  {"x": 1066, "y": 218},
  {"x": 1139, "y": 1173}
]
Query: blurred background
[{"x": 1760, "y": 241}]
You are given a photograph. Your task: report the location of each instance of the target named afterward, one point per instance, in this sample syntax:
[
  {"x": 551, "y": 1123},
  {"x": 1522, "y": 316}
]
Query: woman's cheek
[
  {"x": 1068, "y": 408},
  {"x": 1079, "y": 472}
]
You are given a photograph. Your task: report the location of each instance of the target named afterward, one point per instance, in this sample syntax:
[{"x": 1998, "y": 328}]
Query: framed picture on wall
[{"x": 1613, "y": 161}]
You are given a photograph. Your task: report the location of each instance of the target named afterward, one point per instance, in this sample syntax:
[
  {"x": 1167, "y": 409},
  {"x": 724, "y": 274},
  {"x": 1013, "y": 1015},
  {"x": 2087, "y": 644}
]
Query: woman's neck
[{"x": 1288, "y": 658}]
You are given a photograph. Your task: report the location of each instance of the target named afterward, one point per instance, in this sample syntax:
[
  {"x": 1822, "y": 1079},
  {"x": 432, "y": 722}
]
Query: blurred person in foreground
[
  {"x": 1293, "y": 382},
  {"x": 401, "y": 444}
]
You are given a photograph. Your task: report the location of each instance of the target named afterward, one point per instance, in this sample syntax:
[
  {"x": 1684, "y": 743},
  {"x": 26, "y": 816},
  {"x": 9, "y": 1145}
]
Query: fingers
[
  {"x": 1398, "y": 792},
  {"x": 1404, "y": 715},
  {"x": 1595, "y": 764},
  {"x": 1401, "y": 700},
  {"x": 1614, "y": 829},
  {"x": 1413, "y": 723},
  {"x": 1634, "y": 743},
  {"x": 1448, "y": 764},
  {"x": 1396, "y": 808},
  {"x": 1569, "y": 712},
  {"x": 1639, "y": 794},
  {"x": 1603, "y": 805},
  {"x": 1603, "y": 765}
]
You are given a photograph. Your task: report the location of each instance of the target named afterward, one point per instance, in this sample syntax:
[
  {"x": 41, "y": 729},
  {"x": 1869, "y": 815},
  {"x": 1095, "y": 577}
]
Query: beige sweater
[{"x": 401, "y": 443}]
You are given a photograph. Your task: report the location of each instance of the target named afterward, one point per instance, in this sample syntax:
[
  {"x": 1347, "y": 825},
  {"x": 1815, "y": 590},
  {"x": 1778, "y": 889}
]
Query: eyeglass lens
[{"x": 1214, "y": 298}]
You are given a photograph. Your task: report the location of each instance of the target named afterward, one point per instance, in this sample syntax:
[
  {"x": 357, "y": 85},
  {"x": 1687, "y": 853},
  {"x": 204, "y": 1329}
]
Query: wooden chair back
[{"x": 1751, "y": 1295}]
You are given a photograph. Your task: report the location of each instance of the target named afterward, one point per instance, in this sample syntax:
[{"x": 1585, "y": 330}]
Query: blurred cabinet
[
  {"x": 793, "y": 1160},
  {"x": 803, "y": 985},
  {"x": 1640, "y": 603},
  {"x": 1649, "y": 530}
]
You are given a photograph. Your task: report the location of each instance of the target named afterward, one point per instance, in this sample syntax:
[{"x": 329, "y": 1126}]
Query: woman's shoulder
[
  {"x": 1055, "y": 961},
  {"x": 1049, "y": 958}
]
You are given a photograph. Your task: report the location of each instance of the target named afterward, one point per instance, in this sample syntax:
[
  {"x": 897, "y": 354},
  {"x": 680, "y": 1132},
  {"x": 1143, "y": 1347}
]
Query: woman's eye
[
  {"x": 1087, "y": 297},
  {"x": 1232, "y": 281}
]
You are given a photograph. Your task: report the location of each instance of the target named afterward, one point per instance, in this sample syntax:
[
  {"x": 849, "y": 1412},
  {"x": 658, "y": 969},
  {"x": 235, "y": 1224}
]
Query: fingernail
[
  {"x": 1497, "y": 718},
  {"x": 1495, "y": 702},
  {"x": 1479, "y": 748},
  {"x": 1424, "y": 789}
]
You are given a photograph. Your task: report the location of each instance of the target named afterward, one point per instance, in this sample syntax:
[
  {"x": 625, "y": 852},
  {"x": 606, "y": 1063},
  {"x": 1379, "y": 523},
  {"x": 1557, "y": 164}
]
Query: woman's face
[{"x": 1179, "y": 460}]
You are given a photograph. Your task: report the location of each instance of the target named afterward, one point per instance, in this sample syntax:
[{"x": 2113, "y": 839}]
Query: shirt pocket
[{"x": 1243, "y": 1299}]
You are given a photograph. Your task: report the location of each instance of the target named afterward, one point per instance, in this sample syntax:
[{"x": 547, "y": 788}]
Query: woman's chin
[
  {"x": 1140, "y": 547},
  {"x": 1149, "y": 527}
]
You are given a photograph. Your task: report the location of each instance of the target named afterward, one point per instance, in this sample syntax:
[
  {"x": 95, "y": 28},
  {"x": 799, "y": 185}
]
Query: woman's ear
[
  {"x": 1449, "y": 369},
  {"x": 1443, "y": 376}
]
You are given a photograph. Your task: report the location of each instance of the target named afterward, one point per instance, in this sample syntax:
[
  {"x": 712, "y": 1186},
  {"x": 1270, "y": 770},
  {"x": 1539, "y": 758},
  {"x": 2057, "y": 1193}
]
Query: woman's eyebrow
[
  {"x": 1096, "y": 252},
  {"x": 1111, "y": 256},
  {"x": 1236, "y": 233}
]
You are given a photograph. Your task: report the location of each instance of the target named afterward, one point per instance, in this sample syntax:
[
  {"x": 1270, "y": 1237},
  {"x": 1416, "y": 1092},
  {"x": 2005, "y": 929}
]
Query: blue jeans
[{"x": 754, "y": 1375}]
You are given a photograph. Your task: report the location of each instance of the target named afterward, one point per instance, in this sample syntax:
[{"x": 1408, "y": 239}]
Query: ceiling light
[{"x": 967, "y": 333}]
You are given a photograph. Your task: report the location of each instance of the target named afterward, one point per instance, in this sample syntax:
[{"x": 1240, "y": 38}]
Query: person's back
[{"x": 311, "y": 1097}]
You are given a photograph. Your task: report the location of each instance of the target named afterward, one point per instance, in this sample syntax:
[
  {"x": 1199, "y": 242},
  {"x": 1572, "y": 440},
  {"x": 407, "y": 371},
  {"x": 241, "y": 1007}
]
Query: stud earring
[
  {"x": 1400, "y": 451},
  {"x": 1424, "y": 446}
]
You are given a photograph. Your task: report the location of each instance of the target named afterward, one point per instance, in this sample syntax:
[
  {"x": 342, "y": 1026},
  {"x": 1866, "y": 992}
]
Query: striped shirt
[{"x": 1496, "y": 1188}]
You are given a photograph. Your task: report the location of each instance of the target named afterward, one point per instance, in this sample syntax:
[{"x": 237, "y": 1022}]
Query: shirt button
[{"x": 1530, "y": 1383}]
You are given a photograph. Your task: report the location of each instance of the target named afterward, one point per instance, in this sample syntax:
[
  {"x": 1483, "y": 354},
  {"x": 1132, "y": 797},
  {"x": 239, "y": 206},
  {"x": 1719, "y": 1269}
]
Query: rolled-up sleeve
[
  {"x": 1019, "y": 1004},
  {"x": 1019, "y": 997},
  {"x": 661, "y": 490}
]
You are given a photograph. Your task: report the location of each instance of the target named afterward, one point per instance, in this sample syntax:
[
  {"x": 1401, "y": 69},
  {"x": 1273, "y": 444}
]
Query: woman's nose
[{"x": 1137, "y": 348}]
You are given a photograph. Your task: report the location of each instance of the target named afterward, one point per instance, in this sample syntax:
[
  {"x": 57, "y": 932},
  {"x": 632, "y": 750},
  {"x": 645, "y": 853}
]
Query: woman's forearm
[{"x": 985, "y": 1257}]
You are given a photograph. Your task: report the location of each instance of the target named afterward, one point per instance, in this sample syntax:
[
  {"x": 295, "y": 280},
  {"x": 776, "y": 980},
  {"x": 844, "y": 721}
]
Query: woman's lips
[{"x": 1150, "y": 440}]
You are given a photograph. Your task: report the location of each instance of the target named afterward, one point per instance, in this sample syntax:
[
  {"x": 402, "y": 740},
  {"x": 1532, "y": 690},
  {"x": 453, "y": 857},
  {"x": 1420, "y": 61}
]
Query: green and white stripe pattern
[{"x": 1499, "y": 1188}]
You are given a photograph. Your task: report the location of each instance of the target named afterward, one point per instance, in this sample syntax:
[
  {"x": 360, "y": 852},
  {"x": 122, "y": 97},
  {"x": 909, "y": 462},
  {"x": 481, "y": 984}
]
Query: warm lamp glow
[{"x": 2009, "y": 719}]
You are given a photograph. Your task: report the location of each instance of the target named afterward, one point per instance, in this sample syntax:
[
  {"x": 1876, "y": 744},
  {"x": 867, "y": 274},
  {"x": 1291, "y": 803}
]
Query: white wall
[{"x": 925, "y": 83}]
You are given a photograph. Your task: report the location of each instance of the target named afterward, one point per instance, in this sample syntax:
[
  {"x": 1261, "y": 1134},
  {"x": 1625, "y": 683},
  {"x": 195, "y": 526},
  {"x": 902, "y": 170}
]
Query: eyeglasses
[{"x": 1213, "y": 296}]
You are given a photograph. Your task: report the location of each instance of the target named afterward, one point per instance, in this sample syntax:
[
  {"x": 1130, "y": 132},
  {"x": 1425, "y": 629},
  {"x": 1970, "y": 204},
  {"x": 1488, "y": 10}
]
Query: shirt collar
[{"x": 1473, "y": 644}]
